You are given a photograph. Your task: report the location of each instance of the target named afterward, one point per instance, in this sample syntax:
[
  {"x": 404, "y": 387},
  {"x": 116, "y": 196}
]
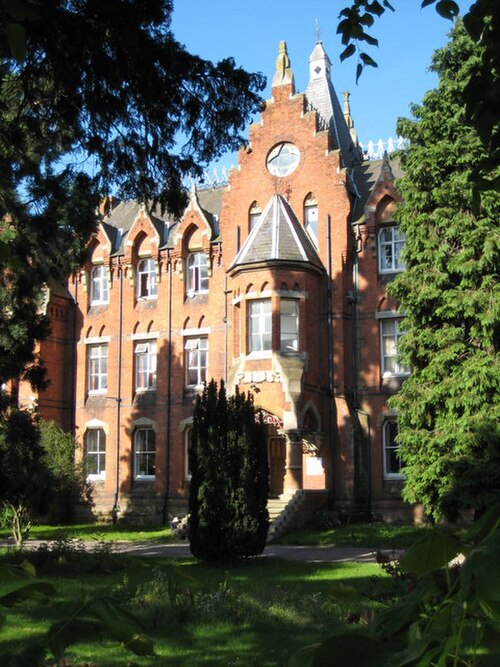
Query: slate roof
[
  {"x": 366, "y": 174},
  {"x": 121, "y": 218},
  {"x": 277, "y": 237}
]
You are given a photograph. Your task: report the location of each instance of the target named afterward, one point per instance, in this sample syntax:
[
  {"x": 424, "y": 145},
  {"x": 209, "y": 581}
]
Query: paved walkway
[{"x": 289, "y": 552}]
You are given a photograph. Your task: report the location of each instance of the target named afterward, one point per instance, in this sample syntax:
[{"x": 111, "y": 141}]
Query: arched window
[
  {"x": 99, "y": 287},
  {"x": 197, "y": 273},
  {"x": 311, "y": 218},
  {"x": 95, "y": 453},
  {"x": 253, "y": 215},
  {"x": 146, "y": 279},
  {"x": 144, "y": 453}
]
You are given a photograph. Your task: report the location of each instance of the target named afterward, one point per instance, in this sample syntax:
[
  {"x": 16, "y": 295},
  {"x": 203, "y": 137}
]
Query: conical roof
[{"x": 277, "y": 237}]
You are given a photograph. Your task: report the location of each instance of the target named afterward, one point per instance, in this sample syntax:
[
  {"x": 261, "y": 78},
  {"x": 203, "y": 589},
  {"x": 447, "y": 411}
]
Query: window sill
[
  {"x": 96, "y": 478},
  {"x": 145, "y": 390},
  {"x": 260, "y": 355},
  {"x": 97, "y": 392}
]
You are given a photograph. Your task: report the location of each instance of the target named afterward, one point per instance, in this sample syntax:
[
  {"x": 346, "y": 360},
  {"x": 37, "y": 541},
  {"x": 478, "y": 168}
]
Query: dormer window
[
  {"x": 391, "y": 242},
  {"x": 147, "y": 287},
  {"x": 197, "y": 273},
  {"x": 99, "y": 285}
]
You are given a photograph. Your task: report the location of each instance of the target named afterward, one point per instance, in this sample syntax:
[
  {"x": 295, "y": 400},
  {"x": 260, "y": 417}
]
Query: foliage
[
  {"x": 95, "y": 98},
  {"x": 101, "y": 532},
  {"x": 229, "y": 477},
  {"x": 19, "y": 519},
  {"x": 95, "y": 617},
  {"x": 237, "y": 614},
  {"x": 481, "y": 92},
  {"x": 450, "y": 617},
  {"x": 37, "y": 467},
  {"x": 449, "y": 407}
]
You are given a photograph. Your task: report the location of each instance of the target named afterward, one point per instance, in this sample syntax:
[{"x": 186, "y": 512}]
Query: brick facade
[{"x": 164, "y": 305}]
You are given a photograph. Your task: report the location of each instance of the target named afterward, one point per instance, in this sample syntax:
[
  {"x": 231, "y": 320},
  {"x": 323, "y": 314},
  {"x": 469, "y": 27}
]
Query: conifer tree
[
  {"x": 229, "y": 477},
  {"x": 449, "y": 408}
]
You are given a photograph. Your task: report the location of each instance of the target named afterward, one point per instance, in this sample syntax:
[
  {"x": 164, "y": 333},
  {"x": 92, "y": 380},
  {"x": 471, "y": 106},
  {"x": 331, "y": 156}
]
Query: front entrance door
[{"x": 276, "y": 450}]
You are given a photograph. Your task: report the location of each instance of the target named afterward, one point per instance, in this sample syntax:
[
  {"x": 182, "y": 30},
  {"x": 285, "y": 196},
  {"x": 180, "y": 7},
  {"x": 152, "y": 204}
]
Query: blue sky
[{"x": 251, "y": 31}]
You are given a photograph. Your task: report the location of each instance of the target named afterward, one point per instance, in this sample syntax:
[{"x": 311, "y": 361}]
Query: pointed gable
[{"x": 277, "y": 237}]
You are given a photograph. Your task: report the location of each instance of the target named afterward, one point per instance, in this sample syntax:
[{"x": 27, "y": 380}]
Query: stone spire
[{"x": 284, "y": 74}]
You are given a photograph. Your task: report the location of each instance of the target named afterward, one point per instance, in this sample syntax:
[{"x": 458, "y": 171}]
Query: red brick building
[{"x": 274, "y": 283}]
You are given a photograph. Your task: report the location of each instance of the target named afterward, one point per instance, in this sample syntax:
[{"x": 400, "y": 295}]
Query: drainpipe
[
  {"x": 225, "y": 330},
  {"x": 72, "y": 415},
  {"x": 356, "y": 401},
  {"x": 118, "y": 399},
  {"x": 330, "y": 349},
  {"x": 164, "y": 517}
]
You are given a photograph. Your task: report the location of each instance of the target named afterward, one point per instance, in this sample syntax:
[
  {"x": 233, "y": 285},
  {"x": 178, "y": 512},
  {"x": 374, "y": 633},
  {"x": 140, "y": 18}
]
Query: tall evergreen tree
[
  {"x": 449, "y": 408},
  {"x": 229, "y": 477}
]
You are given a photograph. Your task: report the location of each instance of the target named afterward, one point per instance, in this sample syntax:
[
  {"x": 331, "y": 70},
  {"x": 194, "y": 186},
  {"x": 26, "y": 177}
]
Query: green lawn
[
  {"x": 375, "y": 535},
  {"x": 102, "y": 532},
  {"x": 256, "y": 613}
]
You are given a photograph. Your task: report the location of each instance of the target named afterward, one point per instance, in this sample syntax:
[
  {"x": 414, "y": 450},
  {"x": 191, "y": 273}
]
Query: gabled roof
[
  {"x": 366, "y": 175},
  {"x": 277, "y": 237}
]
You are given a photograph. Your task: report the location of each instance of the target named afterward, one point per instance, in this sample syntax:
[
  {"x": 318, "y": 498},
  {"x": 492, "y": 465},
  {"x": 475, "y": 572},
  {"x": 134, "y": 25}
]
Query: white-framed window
[
  {"x": 259, "y": 325},
  {"x": 392, "y": 462},
  {"x": 390, "y": 335},
  {"x": 97, "y": 368},
  {"x": 145, "y": 365},
  {"x": 390, "y": 244},
  {"x": 311, "y": 218},
  {"x": 289, "y": 325},
  {"x": 197, "y": 273},
  {"x": 147, "y": 287},
  {"x": 99, "y": 285},
  {"x": 196, "y": 361},
  {"x": 95, "y": 453},
  {"x": 144, "y": 453}
]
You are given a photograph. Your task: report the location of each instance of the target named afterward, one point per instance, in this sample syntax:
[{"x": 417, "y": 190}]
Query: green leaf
[
  {"x": 355, "y": 650},
  {"x": 488, "y": 523},
  {"x": 426, "y": 3},
  {"x": 375, "y": 8},
  {"x": 66, "y": 633},
  {"x": 16, "y": 9},
  {"x": 10, "y": 572},
  {"x": 16, "y": 36},
  {"x": 430, "y": 553},
  {"x": 387, "y": 4},
  {"x": 304, "y": 656},
  {"x": 367, "y": 60},
  {"x": 404, "y": 612},
  {"x": 367, "y": 19},
  {"x": 481, "y": 570},
  {"x": 491, "y": 638},
  {"x": 448, "y": 9},
  {"x": 26, "y": 593},
  {"x": 347, "y": 53},
  {"x": 369, "y": 39},
  {"x": 121, "y": 625},
  {"x": 359, "y": 70}
]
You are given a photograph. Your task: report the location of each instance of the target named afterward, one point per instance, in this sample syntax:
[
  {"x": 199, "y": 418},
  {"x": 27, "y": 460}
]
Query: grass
[
  {"x": 374, "y": 535},
  {"x": 102, "y": 532},
  {"x": 255, "y": 613}
]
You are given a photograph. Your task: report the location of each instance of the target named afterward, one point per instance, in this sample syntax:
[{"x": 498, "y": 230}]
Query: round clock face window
[{"x": 283, "y": 159}]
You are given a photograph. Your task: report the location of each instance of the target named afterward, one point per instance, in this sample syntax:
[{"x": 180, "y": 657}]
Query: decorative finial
[
  {"x": 317, "y": 30},
  {"x": 283, "y": 74}
]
